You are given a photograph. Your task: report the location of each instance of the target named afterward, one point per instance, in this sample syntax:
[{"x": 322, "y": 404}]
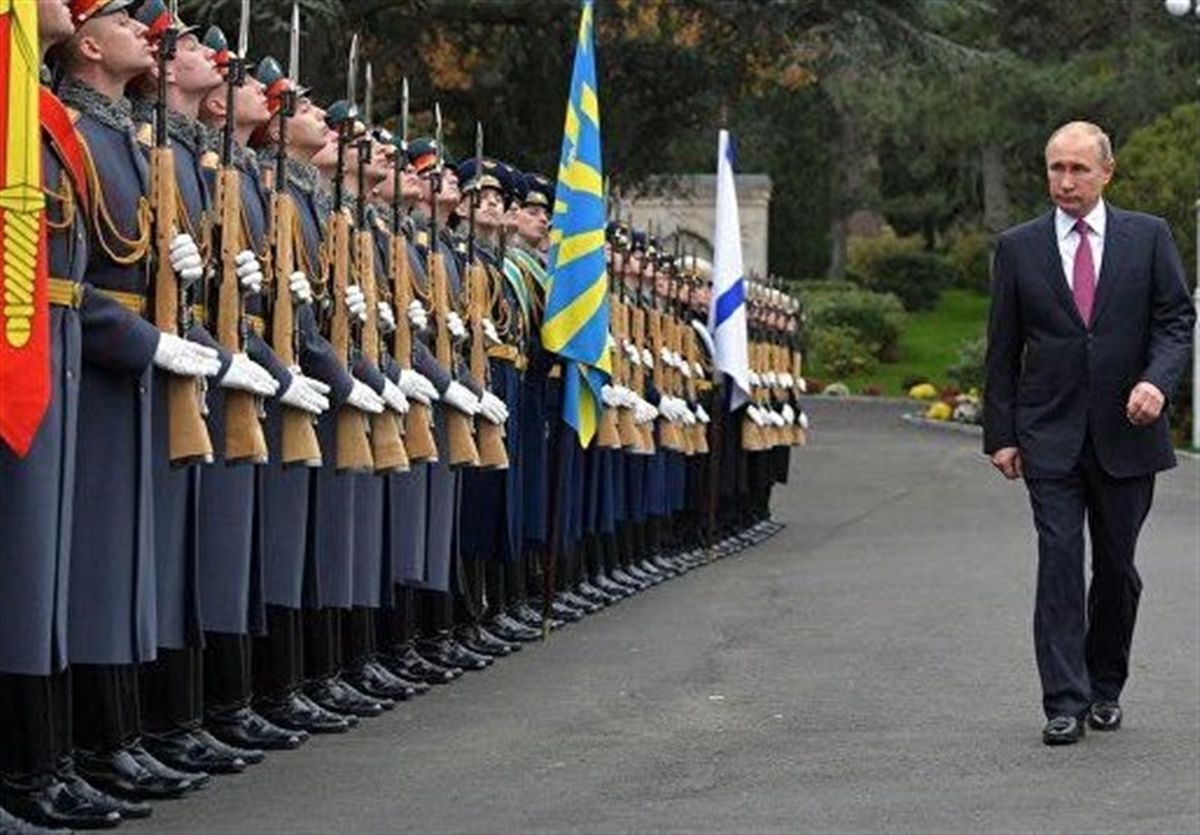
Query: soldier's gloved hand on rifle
[
  {"x": 187, "y": 359},
  {"x": 457, "y": 396},
  {"x": 789, "y": 414},
  {"x": 455, "y": 323},
  {"x": 416, "y": 386},
  {"x": 418, "y": 317},
  {"x": 771, "y": 379},
  {"x": 185, "y": 259},
  {"x": 664, "y": 354},
  {"x": 647, "y": 358},
  {"x": 689, "y": 417},
  {"x": 306, "y": 394},
  {"x": 686, "y": 368},
  {"x": 786, "y": 380},
  {"x": 756, "y": 415},
  {"x": 387, "y": 319},
  {"x": 395, "y": 398},
  {"x": 364, "y": 399},
  {"x": 300, "y": 288},
  {"x": 755, "y": 380},
  {"x": 493, "y": 408},
  {"x": 356, "y": 302},
  {"x": 249, "y": 271},
  {"x": 490, "y": 333},
  {"x": 245, "y": 374},
  {"x": 610, "y": 396},
  {"x": 803, "y": 420},
  {"x": 702, "y": 415},
  {"x": 643, "y": 412},
  {"x": 625, "y": 397},
  {"x": 801, "y": 384},
  {"x": 631, "y": 351}
]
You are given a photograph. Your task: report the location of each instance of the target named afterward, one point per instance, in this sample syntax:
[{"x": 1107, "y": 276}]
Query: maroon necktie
[{"x": 1084, "y": 277}]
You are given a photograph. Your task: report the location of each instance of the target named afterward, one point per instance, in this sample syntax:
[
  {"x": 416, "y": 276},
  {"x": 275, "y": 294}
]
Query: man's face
[
  {"x": 449, "y": 196},
  {"x": 662, "y": 284},
  {"x": 326, "y": 156},
  {"x": 702, "y": 297},
  {"x": 118, "y": 43},
  {"x": 631, "y": 267},
  {"x": 54, "y": 22},
  {"x": 379, "y": 167},
  {"x": 532, "y": 223},
  {"x": 1076, "y": 173},
  {"x": 306, "y": 131},
  {"x": 250, "y": 103},
  {"x": 410, "y": 184},
  {"x": 489, "y": 211},
  {"x": 193, "y": 69}
]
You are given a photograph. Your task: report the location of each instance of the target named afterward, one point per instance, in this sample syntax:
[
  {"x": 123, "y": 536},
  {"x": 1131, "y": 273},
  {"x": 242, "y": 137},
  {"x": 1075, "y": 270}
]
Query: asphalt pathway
[{"x": 870, "y": 669}]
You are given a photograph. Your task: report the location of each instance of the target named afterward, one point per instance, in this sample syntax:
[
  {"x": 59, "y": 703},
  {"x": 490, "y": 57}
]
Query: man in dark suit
[{"x": 1089, "y": 333}]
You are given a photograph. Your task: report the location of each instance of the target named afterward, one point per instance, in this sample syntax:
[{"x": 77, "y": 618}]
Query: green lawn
[{"x": 929, "y": 344}]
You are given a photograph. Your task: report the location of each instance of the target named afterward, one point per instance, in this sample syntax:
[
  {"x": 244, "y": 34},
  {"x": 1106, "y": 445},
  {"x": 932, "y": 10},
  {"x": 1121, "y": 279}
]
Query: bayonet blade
[
  {"x": 244, "y": 30},
  {"x": 478, "y": 153},
  {"x": 352, "y": 72},
  {"x": 294, "y": 48},
  {"x": 369, "y": 104},
  {"x": 173, "y": 11},
  {"x": 437, "y": 132},
  {"x": 403, "y": 127}
]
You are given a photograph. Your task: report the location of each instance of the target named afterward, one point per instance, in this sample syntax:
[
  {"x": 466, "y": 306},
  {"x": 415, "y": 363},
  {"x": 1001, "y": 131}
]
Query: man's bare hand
[
  {"x": 1145, "y": 404},
  {"x": 1008, "y": 461}
]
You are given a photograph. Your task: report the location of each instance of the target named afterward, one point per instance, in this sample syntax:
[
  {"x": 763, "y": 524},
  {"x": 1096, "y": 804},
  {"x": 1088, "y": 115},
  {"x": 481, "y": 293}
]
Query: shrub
[
  {"x": 923, "y": 391},
  {"x": 916, "y": 278},
  {"x": 840, "y": 351},
  {"x": 967, "y": 372},
  {"x": 877, "y": 319},
  {"x": 836, "y": 390},
  {"x": 970, "y": 257},
  {"x": 864, "y": 254},
  {"x": 940, "y": 411},
  {"x": 873, "y": 390}
]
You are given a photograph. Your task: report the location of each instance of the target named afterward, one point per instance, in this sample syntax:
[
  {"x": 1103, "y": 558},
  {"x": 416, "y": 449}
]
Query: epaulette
[
  {"x": 210, "y": 161},
  {"x": 422, "y": 238},
  {"x": 145, "y": 134}
]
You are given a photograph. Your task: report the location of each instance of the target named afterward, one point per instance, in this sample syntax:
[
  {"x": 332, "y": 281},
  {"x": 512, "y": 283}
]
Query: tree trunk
[
  {"x": 855, "y": 182},
  {"x": 997, "y": 210}
]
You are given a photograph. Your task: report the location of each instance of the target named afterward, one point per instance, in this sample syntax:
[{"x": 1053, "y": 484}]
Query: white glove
[
  {"x": 664, "y": 354},
  {"x": 789, "y": 414},
  {"x": 685, "y": 412},
  {"x": 775, "y": 418},
  {"x": 786, "y": 380},
  {"x": 493, "y": 408},
  {"x": 185, "y": 259},
  {"x": 187, "y": 359},
  {"x": 459, "y": 397},
  {"x": 610, "y": 396},
  {"x": 394, "y": 397},
  {"x": 770, "y": 379},
  {"x": 249, "y": 271},
  {"x": 686, "y": 368},
  {"x": 803, "y": 420},
  {"x": 417, "y": 386},
  {"x": 491, "y": 335},
  {"x": 755, "y": 415},
  {"x": 306, "y": 393},
  {"x": 704, "y": 335},
  {"x": 245, "y": 374},
  {"x": 418, "y": 317},
  {"x": 301, "y": 289},
  {"x": 755, "y": 380},
  {"x": 643, "y": 412},
  {"x": 628, "y": 398},
  {"x": 647, "y": 358},
  {"x": 677, "y": 360},
  {"x": 455, "y": 323},
  {"x": 702, "y": 415},
  {"x": 631, "y": 351},
  {"x": 356, "y": 302},
  {"x": 364, "y": 399},
  {"x": 801, "y": 384},
  {"x": 387, "y": 319},
  {"x": 698, "y": 370}
]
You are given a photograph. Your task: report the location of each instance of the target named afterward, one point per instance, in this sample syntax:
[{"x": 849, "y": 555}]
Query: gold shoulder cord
[
  {"x": 66, "y": 201},
  {"x": 136, "y": 248}
]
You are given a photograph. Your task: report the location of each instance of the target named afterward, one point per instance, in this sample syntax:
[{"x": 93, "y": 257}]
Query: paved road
[{"x": 868, "y": 670}]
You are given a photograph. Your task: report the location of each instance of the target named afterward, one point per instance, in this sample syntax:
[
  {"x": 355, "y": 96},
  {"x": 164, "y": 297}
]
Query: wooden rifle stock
[
  {"x": 668, "y": 432},
  {"x": 188, "y": 439},
  {"x": 353, "y": 448},
  {"x": 627, "y": 430},
  {"x": 645, "y": 430},
  {"x": 298, "y": 439},
  {"x": 488, "y": 436},
  {"x": 691, "y": 357},
  {"x": 462, "y": 452},
  {"x": 244, "y": 439},
  {"x": 387, "y": 447},
  {"x": 418, "y": 423}
]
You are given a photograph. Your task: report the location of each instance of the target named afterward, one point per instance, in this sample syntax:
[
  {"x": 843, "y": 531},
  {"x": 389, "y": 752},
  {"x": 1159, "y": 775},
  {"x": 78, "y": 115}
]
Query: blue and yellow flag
[{"x": 576, "y": 321}]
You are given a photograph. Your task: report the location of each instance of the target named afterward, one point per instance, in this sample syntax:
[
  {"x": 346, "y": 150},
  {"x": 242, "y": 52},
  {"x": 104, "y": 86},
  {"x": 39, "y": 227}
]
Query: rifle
[
  {"x": 463, "y": 451},
  {"x": 188, "y": 438},
  {"x": 298, "y": 438},
  {"x": 244, "y": 439},
  {"x": 638, "y": 327},
  {"x": 668, "y": 432},
  {"x": 418, "y": 431},
  {"x": 387, "y": 447},
  {"x": 353, "y": 447},
  {"x": 692, "y": 358},
  {"x": 627, "y": 430},
  {"x": 488, "y": 435}
]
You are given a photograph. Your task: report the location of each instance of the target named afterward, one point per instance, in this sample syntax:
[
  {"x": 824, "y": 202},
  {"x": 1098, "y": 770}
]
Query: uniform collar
[
  {"x": 116, "y": 114},
  {"x": 1096, "y": 219}
]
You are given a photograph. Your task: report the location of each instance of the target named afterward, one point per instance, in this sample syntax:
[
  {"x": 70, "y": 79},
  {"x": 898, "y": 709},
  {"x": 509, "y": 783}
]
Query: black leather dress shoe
[
  {"x": 12, "y": 825},
  {"x": 507, "y": 628},
  {"x": 579, "y": 603},
  {"x": 245, "y": 728},
  {"x": 593, "y": 594},
  {"x": 335, "y": 695},
  {"x": 1104, "y": 716},
  {"x": 48, "y": 801},
  {"x": 447, "y": 652},
  {"x": 250, "y": 756},
  {"x": 304, "y": 699},
  {"x": 376, "y": 682},
  {"x": 611, "y": 588},
  {"x": 294, "y": 714},
  {"x": 184, "y": 752},
  {"x": 121, "y": 774},
  {"x": 528, "y": 616},
  {"x": 127, "y": 809},
  {"x": 416, "y": 666},
  {"x": 1063, "y": 730},
  {"x": 623, "y": 578},
  {"x": 481, "y": 642},
  {"x": 154, "y": 765}
]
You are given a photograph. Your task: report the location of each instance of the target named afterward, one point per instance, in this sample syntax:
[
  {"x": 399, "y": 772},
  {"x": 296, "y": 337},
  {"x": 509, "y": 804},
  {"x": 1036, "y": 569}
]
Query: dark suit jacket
[{"x": 1051, "y": 380}]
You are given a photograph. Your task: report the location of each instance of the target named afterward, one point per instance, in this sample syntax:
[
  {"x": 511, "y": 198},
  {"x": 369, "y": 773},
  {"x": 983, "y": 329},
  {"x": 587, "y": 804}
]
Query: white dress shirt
[{"x": 1068, "y": 239}]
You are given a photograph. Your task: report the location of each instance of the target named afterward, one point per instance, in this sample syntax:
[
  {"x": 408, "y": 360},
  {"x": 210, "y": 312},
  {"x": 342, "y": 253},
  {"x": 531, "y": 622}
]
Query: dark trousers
[
  {"x": 1082, "y": 634},
  {"x": 35, "y": 722},
  {"x": 172, "y": 690}
]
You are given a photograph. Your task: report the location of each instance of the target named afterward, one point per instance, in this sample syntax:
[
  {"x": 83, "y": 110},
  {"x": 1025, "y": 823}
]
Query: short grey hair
[{"x": 1103, "y": 143}]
